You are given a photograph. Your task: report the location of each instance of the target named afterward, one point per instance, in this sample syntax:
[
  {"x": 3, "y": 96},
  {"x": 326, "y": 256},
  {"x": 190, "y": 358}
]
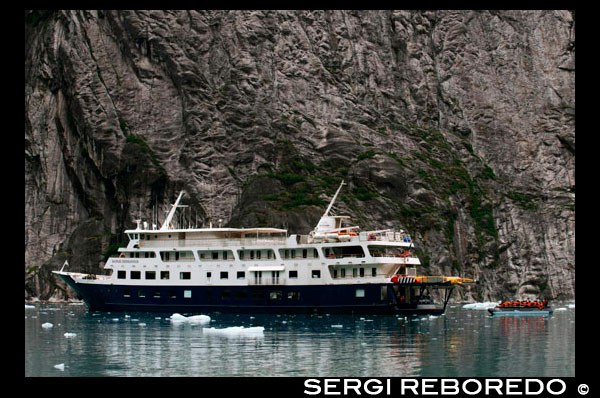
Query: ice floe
[
  {"x": 481, "y": 306},
  {"x": 337, "y": 326},
  {"x": 234, "y": 331},
  {"x": 70, "y": 335},
  {"x": 29, "y": 307},
  {"x": 192, "y": 320},
  {"x": 571, "y": 305},
  {"x": 47, "y": 325},
  {"x": 60, "y": 366}
]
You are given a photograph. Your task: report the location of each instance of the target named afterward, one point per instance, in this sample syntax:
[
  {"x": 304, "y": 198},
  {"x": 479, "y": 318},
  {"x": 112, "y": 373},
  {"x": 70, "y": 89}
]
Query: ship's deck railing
[
  {"x": 210, "y": 242},
  {"x": 361, "y": 237}
]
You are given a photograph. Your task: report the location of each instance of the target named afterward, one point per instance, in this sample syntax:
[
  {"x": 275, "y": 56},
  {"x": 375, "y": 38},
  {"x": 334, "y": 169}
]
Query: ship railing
[
  {"x": 266, "y": 281},
  {"x": 211, "y": 242},
  {"x": 387, "y": 236}
]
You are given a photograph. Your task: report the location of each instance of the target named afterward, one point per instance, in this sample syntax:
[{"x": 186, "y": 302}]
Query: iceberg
[
  {"x": 60, "y": 366},
  {"x": 481, "y": 306},
  {"x": 256, "y": 331},
  {"x": 47, "y": 325},
  {"x": 192, "y": 320}
]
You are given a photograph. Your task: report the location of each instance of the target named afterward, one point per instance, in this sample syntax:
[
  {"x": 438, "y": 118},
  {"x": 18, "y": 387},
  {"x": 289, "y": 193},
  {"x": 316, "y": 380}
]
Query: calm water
[{"x": 462, "y": 342}]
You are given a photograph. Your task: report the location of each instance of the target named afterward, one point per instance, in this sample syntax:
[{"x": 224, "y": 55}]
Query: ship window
[
  {"x": 316, "y": 273},
  {"x": 304, "y": 253},
  {"x": 187, "y": 294},
  {"x": 208, "y": 274},
  {"x": 315, "y": 253},
  {"x": 293, "y": 254},
  {"x": 354, "y": 272},
  {"x": 258, "y": 254},
  {"x": 293, "y": 295},
  {"x": 156, "y": 294},
  {"x": 362, "y": 272},
  {"x": 150, "y": 275},
  {"x": 225, "y": 255},
  {"x": 343, "y": 272},
  {"x": 344, "y": 251},
  {"x": 121, "y": 274},
  {"x": 275, "y": 295},
  {"x": 215, "y": 255},
  {"x": 164, "y": 275},
  {"x": 226, "y": 295},
  {"x": 360, "y": 293},
  {"x": 251, "y": 254},
  {"x": 293, "y": 274},
  {"x": 141, "y": 293},
  {"x": 373, "y": 271},
  {"x": 224, "y": 275},
  {"x": 335, "y": 273},
  {"x": 126, "y": 293},
  {"x": 185, "y": 275},
  {"x": 172, "y": 294},
  {"x": 241, "y": 275},
  {"x": 135, "y": 275}
]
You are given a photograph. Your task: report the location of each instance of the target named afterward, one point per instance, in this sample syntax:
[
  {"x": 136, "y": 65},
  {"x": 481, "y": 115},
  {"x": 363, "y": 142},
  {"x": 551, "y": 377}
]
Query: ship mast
[
  {"x": 165, "y": 225},
  {"x": 333, "y": 200}
]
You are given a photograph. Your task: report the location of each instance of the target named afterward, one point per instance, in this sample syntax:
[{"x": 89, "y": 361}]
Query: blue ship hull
[{"x": 320, "y": 299}]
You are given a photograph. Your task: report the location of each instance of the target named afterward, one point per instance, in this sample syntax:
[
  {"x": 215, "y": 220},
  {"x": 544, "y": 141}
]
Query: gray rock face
[{"x": 455, "y": 125}]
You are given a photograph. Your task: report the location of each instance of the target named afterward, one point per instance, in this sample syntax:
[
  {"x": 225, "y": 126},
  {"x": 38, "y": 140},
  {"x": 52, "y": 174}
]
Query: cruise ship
[{"x": 336, "y": 268}]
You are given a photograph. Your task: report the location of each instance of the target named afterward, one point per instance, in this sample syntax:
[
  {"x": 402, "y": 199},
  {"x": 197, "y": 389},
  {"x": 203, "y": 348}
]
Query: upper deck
[{"x": 329, "y": 230}]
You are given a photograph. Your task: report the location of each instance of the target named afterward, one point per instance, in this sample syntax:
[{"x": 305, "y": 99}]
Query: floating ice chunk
[
  {"x": 141, "y": 324},
  {"x": 60, "y": 366},
  {"x": 560, "y": 309},
  {"x": 481, "y": 306},
  {"x": 256, "y": 331},
  {"x": 29, "y": 307},
  {"x": 115, "y": 319},
  {"x": 47, "y": 325},
  {"x": 192, "y": 320},
  {"x": 337, "y": 326},
  {"x": 571, "y": 305},
  {"x": 70, "y": 335}
]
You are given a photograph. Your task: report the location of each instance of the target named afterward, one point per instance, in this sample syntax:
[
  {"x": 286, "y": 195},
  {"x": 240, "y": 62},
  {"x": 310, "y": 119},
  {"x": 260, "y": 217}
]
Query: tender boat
[
  {"x": 521, "y": 307},
  {"x": 333, "y": 269}
]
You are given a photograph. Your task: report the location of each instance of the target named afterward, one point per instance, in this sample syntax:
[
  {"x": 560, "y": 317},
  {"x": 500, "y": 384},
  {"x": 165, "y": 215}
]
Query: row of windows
[
  {"x": 225, "y": 294},
  {"x": 239, "y": 294},
  {"x": 165, "y": 275},
  {"x": 186, "y": 275},
  {"x": 267, "y": 254}
]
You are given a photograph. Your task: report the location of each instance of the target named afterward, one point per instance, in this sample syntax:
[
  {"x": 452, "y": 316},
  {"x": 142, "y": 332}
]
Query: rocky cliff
[{"x": 457, "y": 126}]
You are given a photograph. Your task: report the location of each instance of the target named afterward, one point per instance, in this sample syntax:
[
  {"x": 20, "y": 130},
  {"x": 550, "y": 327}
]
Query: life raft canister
[
  {"x": 122, "y": 256},
  {"x": 395, "y": 278},
  {"x": 372, "y": 237}
]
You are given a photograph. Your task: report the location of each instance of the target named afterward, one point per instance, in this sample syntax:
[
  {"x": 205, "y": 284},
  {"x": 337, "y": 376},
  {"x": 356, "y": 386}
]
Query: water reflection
[{"x": 460, "y": 343}]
